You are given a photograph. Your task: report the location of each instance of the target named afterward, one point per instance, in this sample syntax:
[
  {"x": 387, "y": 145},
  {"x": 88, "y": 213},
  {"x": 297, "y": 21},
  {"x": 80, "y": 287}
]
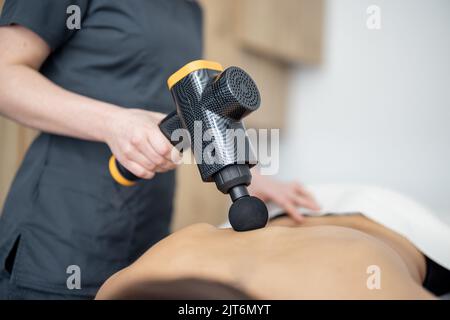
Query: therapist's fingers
[
  {"x": 176, "y": 156},
  {"x": 293, "y": 211},
  {"x": 137, "y": 151},
  {"x": 136, "y": 161},
  {"x": 144, "y": 147},
  {"x": 303, "y": 197},
  {"x": 162, "y": 146},
  {"x": 303, "y": 202},
  {"x": 289, "y": 206},
  {"x": 161, "y": 164},
  {"x": 137, "y": 169}
]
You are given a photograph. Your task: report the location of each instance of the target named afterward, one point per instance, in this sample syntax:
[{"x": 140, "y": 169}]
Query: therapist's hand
[
  {"x": 138, "y": 144},
  {"x": 288, "y": 195}
]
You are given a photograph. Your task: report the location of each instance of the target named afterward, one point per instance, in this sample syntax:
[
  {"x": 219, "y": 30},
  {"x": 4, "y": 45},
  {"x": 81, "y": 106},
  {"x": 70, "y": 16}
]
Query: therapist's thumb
[{"x": 158, "y": 116}]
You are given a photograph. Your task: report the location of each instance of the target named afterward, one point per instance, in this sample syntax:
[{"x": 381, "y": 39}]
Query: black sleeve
[{"x": 46, "y": 18}]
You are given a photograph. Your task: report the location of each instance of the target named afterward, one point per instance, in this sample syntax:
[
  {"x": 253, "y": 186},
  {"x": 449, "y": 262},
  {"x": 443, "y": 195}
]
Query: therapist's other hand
[
  {"x": 138, "y": 144},
  {"x": 288, "y": 195}
]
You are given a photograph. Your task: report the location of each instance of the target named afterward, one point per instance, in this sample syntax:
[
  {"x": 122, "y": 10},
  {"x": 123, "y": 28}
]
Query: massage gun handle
[
  {"x": 121, "y": 174},
  {"x": 169, "y": 124}
]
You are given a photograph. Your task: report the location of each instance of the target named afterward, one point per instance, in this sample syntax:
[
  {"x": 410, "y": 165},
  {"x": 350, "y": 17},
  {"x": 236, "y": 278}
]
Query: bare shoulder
[
  {"x": 197, "y": 228},
  {"x": 330, "y": 262},
  {"x": 182, "y": 242}
]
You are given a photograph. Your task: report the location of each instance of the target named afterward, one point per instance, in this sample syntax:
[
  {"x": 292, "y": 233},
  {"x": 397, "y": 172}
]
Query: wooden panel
[
  {"x": 14, "y": 141},
  {"x": 272, "y": 79},
  {"x": 196, "y": 201},
  {"x": 222, "y": 44},
  {"x": 289, "y": 30},
  {"x": 9, "y": 145}
]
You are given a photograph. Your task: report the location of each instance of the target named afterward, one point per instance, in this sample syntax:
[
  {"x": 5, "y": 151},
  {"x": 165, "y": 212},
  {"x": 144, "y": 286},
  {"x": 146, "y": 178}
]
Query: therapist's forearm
[
  {"x": 29, "y": 98},
  {"x": 26, "y": 96}
]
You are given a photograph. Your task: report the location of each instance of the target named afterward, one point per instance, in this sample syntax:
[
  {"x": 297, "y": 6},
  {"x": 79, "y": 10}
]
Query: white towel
[{"x": 390, "y": 209}]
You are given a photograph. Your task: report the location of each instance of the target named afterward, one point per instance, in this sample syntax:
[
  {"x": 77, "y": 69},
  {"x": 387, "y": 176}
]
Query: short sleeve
[{"x": 46, "y": 18}]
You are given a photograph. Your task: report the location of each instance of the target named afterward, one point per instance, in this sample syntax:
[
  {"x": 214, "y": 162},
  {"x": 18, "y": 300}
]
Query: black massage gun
[{"x": 216, "y": 100}]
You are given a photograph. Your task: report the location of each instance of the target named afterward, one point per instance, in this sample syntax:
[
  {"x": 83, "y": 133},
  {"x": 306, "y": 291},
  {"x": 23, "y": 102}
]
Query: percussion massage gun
[{"x": 216, "y": 100}]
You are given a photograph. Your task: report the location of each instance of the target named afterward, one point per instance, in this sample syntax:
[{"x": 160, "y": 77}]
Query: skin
[
  {"x": 325, "y": 258},
  {"x": 289, "y": 196},
  {"x": 133, "y": 135}
]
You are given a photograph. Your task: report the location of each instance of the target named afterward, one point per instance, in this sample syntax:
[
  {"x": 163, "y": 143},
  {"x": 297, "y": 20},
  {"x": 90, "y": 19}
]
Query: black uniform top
[{"x": 63, "y": 208}]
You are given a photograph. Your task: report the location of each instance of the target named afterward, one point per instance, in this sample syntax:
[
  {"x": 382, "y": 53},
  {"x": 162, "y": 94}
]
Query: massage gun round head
[{"x": 248, "y": 213}]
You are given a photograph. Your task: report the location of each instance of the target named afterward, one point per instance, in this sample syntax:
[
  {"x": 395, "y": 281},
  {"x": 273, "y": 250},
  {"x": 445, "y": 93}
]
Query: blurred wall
[
  {"x": 14, "y": 141},
  {"x": 378, "y": 109}
]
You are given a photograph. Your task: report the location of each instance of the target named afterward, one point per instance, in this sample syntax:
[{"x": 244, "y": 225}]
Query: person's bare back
[{"x": 325, "y": 259}]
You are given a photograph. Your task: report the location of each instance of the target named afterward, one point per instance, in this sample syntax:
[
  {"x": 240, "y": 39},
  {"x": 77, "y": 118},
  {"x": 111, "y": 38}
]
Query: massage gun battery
[{"x": 210, "y": 99}]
